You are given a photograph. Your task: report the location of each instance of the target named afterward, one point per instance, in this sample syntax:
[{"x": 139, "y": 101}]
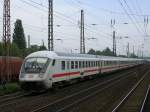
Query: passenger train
[{"x": 44, "y": 69}]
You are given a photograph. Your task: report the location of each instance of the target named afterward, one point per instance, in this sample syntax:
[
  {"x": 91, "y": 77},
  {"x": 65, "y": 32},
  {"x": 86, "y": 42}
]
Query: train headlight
[
  {"x": 41, "y": 75},
  {"x": 22, "y": 75}
]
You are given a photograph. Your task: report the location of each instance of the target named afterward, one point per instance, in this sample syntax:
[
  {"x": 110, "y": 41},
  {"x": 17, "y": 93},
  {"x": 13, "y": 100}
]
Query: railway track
[
  {"x": 33, "y": 103},
  {"x": 7, "y": 99},
  {"x": 65, "y": 103},
  {"x": 146, "y": 103},
  {"x": 132, "y": 100},
  {"x": 9, "y": 95}
]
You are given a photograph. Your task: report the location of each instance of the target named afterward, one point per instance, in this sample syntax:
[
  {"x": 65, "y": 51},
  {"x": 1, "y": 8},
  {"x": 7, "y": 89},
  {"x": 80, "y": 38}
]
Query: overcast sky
[{"x": 33, "y": 14}]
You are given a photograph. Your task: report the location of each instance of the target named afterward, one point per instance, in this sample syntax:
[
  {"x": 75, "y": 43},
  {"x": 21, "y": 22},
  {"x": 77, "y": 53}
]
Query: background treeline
[
  {"x": 18, "y": 46},
  {"x": 108, "y": 52}
]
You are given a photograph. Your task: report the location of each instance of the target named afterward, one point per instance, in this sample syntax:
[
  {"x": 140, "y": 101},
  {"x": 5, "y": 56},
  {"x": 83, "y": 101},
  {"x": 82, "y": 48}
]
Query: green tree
[
  {"x": 19, "y": 36},
  {"x": 15, "y": 51},
  {"x": 107, "y": 52},
  {"x": 42, "y": 48},
  {"x": 1, "y": 49},
  {"x": 133, "y": 56},
  {"x": 92, "y": 51},
  {"x": 98, "y": 53}
]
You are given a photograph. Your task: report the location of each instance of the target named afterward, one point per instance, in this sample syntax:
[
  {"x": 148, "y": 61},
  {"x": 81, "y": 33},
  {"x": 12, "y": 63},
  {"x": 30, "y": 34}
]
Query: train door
[
  {"x": 100, "y": 66},
  {"x": 81, "y": 66},
  {"x": 68, "y": 69}
]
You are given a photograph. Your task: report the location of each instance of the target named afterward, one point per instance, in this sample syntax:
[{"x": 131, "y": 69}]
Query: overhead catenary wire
[
  {"x": 90, "y": 30},
  {"x": 129, "y": 16},
  {"x": 136, "y": 22},
  {"x": 70, "y": 20},
  {"x": 83, "y": 3}
]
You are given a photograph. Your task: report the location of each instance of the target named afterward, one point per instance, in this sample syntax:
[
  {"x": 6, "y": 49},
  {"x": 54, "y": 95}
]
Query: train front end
[{"x": 34, "y": 72}]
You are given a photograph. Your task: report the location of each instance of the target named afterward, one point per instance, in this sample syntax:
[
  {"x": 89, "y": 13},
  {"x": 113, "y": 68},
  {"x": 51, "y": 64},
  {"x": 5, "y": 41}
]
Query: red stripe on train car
[
  {"x": 65, "y": 74},
  {"x": 77, "y": 73},
  {"x": 91, "y": 70}
]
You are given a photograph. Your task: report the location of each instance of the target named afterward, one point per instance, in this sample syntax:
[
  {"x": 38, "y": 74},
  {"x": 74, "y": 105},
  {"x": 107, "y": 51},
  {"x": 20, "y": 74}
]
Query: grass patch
[{"x": 10, "y": 88}]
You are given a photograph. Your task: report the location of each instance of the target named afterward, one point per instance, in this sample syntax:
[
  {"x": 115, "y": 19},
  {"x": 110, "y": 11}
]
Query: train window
[
  {"x": 97, "y": 63},
  {"x": 91, "y": 63},
  {"x": 76, "y": 64},
  {"x": 83, "y": 64},
  {"x": 101, "y": 63},
  {"x": 63, "y": 65},
  {"x": 86, "y": 64},
  {"x": 80, "y": 65},
  {"x": 72, "y": 64},
  {"x": 53, "y": 63},
  {"x": 104, "y": 63},
  {"x": 68, "y": 65},
  {"x": 36, "y": 65}
]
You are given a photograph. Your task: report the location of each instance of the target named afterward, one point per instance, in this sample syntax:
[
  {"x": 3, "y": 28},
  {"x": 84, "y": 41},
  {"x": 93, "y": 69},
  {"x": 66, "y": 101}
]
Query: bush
[{"x": 10, "y": 88}]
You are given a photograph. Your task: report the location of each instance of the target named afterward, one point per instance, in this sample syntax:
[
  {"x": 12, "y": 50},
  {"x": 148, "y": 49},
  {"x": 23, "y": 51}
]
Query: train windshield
[{"x": 36, "y": 65}]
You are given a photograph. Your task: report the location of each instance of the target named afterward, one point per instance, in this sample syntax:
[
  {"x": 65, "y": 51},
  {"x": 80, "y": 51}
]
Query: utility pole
[
  {"x": 43, "y": 43},
  {"x": 114, "y": 43},
  {"x": 114, "y": 36},
  {"x": 28, "y": 41},
  {"x": 6, "y": 37},
  {"x": 128, "y": 48},
  {"x": 50, "y": 26},
  {"x": 133, "y": 50},
  {"x": 82, "y": 38}
]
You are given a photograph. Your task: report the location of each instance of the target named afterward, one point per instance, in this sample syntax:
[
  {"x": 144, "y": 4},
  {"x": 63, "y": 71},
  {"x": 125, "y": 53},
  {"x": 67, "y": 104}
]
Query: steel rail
[
  {"x": 130, "y": 92},
  {"x": 80, "y": 92},
  {"x": 144, "y": 102},
  {"x": 4, "y": 101}
]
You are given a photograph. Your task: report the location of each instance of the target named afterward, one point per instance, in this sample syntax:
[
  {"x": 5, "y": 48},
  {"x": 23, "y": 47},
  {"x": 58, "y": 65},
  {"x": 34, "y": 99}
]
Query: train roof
[{"x": 53, "y": 55}]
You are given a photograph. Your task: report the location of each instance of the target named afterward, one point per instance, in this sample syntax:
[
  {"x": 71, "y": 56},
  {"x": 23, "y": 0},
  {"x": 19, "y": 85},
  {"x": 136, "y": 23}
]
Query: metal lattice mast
[
  {"x": 50, "y": 26},
  {"x": 6, "y": 35},
  {"x": 82, "y": 37},
  {"x": 114, "y": 43},
  {"x": 128, "y": 50}
]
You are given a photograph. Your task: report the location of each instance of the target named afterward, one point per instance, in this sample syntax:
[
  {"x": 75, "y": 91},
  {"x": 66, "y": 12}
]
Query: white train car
[{"x": 43, "y": 69}]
